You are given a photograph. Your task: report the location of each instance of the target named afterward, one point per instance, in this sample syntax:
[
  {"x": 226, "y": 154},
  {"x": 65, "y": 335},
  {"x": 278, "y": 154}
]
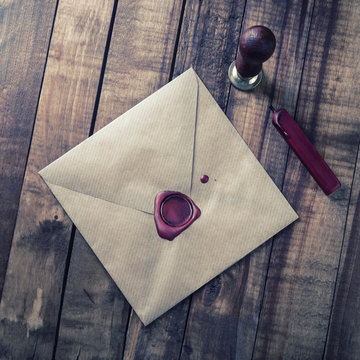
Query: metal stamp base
[{"x": 243, "y": 83}]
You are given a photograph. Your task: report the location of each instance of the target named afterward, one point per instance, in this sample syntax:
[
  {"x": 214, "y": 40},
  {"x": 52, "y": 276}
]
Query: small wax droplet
[{"x": 204, "y": 179}]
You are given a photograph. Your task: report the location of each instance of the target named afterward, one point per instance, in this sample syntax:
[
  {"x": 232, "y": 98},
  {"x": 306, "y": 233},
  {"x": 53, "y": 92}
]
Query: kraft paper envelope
[{"x": 107, "y": 185}]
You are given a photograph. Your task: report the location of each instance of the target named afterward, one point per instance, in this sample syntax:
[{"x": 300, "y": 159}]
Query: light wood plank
[
  {"x": 305, "y": 258},
  {"x": 224, "y": 314},
  {"x": 25, "y": 27},
  {"x": 32, "y": 291},
  {"x": 139, "y": 62}
]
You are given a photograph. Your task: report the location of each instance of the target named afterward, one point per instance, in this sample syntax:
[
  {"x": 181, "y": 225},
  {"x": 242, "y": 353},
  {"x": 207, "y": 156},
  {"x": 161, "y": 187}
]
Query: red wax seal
[
  {"x": 204, "y": 179},
  {"x": 173, "y": 213}
]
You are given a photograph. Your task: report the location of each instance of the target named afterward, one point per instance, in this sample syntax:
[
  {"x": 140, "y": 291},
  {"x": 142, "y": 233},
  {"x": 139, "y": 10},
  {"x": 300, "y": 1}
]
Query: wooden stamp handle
[{"x": 256, "y": 46}]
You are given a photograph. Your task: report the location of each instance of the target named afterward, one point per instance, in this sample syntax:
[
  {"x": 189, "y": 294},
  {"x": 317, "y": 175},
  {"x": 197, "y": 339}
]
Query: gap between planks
[{"x": 284, "y": 174}]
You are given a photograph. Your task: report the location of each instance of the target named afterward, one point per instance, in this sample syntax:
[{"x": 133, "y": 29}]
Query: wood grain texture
[
  {"x": 33, "y": 285},
  {"x": 227, "y": 309},
  {"x": 25, "y": 28},
  {"x": 139, "y": 62},
  {"x": 295, "y": 297},
  {"x": 343, "y": 340},
  {"x": 305, "y": 258}
]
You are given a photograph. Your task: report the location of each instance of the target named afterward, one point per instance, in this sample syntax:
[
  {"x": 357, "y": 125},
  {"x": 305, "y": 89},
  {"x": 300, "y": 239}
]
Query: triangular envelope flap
[
  {"x": 144, "y": 151},
  {"x": 153, "y": 274},
  {"x": 240, "y": 202}
]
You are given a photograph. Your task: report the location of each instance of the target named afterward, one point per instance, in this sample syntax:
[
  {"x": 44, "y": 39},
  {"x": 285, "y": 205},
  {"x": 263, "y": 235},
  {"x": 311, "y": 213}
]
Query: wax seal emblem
[{"x": 173, "y": 213}]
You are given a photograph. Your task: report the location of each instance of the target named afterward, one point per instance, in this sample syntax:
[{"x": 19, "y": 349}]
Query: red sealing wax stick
[{"x": 305, "y": 150}]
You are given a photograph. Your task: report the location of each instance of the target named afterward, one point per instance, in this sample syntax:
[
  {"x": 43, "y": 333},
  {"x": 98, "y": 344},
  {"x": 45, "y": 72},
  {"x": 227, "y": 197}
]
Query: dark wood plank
[
  {"x": 343, "y": 340},
  {"x": 207, "y": 42},
  {"x": 33, "y": 285},
  {"x": 224, "y": 314},
  {"x": 25, "y": 28},
  {"x": 305, "y": 258},
  {"x": 139, "y": 62}
]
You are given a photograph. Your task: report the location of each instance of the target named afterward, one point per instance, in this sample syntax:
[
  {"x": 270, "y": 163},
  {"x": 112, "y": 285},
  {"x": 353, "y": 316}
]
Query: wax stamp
[
  {"x": 256, "y": 45},
  {"x": 174, "y": 212}
]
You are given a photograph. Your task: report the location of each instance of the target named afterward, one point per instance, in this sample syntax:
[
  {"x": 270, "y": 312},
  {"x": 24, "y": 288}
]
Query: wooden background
[{"x": 67, "y": 68}]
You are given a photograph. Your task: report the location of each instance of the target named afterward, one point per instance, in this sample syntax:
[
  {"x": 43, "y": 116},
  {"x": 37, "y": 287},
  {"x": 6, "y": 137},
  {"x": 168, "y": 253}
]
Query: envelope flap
[{"x": 111, "y": 165}]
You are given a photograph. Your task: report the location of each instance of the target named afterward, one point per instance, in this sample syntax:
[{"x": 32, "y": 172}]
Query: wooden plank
[
  {"x": 32, "y": 292},
  {"x": 305, "y": 258},
  {"x": 206, "y": 26},
  {"x": 25, "y": 28},
  {"x": 139, "y": 62},
  {"x": 224, "y": 314},
  {"x": 343, "y": 340}
]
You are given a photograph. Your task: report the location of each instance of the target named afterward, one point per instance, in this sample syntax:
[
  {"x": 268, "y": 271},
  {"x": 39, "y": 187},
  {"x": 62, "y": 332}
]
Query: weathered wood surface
[
  {"x": 25, "y": 28},
  {"x": 294, "y": 297},
  {"x": 31, "y": 297},
  {"x": 305, "y": 258},
  {"x": 343, "y": 340}
]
